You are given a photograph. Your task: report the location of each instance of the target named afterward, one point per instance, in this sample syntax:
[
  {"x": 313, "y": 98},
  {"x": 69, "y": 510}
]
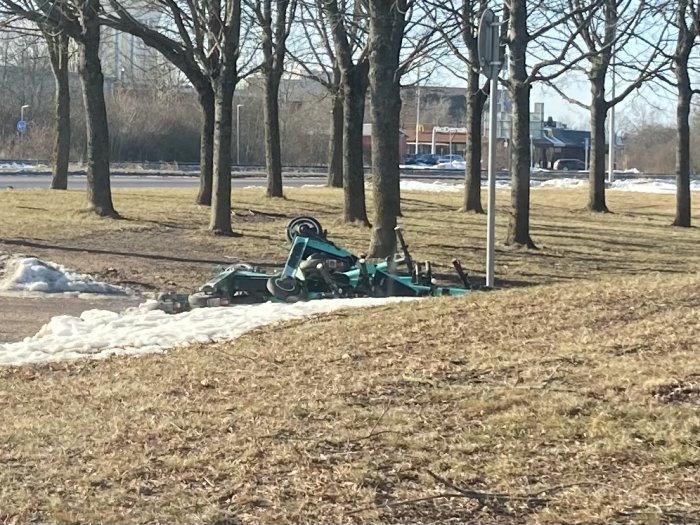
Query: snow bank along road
[
  {"x": 98, "y": 333},
  {"x": 636, "y": 185},
  {"x": 432, "y": 183}
]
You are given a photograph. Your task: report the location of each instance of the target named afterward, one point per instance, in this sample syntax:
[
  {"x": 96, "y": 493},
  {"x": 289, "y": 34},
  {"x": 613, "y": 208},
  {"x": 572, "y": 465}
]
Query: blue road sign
[{"x": 22, "y": 126}]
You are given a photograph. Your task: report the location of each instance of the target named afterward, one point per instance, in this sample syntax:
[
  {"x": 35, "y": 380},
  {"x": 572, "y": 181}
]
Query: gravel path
[{"x": 22, "y": 317}]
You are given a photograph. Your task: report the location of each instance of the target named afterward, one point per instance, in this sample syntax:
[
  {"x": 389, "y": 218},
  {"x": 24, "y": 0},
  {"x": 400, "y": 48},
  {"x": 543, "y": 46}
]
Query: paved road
[
  {"x": 138, "y": 181},
  {"x": 24, "y": 316},
  {"x": 38, "y": 181}
]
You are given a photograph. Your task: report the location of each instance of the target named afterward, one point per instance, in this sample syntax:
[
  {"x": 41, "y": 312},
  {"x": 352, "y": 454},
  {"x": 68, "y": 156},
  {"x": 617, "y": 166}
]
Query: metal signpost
[
  {"x": 21, "y": 129},
  {"x": 238, "y": 133},
  {"x": 491, "y": 61}
]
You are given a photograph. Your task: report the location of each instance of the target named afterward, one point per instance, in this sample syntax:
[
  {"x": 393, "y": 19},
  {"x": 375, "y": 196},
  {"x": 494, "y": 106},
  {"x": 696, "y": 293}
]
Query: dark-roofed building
[{"x": 559, "y": 142}]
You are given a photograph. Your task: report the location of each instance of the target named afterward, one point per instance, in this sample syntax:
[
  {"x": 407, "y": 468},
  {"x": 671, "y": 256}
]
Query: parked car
[
  {"x": 446, "y": 159},
  {"x": 427, "y": 159},
  {"x": 569, "y": 165}
]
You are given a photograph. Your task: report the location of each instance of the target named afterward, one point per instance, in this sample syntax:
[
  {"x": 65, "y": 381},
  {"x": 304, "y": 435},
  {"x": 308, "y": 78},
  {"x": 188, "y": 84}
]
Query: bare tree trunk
[
  {"x": 58, "y": 52},
  {"x": 354, "y": 91},
  {"x": 223, "y": 78},
  {"x": 683, "y": 206},
  {"x": 519, "y": 220},
  {"x": 99, "y": 192},
  {"x": 273, "y": 153},
  {"x": 335, "y": 143},
  {"x": 386, "y": 34},
  {"x": 206, "y": 145},
  {"x": 476, "y": 100},
  {"x": 274, "y": 19},
  {"x": 596, "y": 174},
  {"x": 220, "y": 222},
  {"x": 385, "y": 171}
]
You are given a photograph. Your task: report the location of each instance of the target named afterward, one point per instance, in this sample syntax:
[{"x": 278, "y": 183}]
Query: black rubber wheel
[
  {"x": 303, "y": 225},
  {"x": 287, "y": 289}
]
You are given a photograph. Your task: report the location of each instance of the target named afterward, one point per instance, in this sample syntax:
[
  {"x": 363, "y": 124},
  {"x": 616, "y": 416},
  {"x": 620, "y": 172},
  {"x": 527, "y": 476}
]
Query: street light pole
[
  {"x": 611, "y": 134},
  {"x": 417, "y": 109},
  {"x": 238, "y": 133},
  {"x": 21, "y": 133}
]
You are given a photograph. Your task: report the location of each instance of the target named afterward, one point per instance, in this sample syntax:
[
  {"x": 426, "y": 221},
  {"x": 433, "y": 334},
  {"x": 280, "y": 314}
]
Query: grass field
[
  {"x": 574, "y": 401},
  {"x": 574, "y": 244}
]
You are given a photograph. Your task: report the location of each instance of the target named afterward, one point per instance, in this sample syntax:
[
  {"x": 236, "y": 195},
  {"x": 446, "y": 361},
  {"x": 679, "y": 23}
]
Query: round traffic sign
[
  {"x": 22, "y": 126},
  {"x": 488, "y": 40}
]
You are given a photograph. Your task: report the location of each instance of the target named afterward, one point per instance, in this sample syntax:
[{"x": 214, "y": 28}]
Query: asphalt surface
[
  {"x": 34, "y": 181},
  {"x": 22, "y": 317},
  {"x": 38, "y": 180}
]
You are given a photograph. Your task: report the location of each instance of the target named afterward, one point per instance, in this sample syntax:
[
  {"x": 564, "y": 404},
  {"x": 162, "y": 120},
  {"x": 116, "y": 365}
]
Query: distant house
[{"x": 559, "y": 142}]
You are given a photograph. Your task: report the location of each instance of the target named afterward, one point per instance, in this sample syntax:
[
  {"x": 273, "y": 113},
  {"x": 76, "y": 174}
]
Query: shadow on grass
[
  {"x": 478, "y": 282},
  {"x": 329, "y": 208},
  {"x": 164, "y": 224}
]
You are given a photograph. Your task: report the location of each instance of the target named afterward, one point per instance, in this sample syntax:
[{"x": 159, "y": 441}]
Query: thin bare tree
[
  {"x": 79, "y": 19},
  {"x": 684, "y": 17},
  {"x": 314, "y": 56},
  {"x": 463, "y": 29},
  {"x": 336, "y": 34},
  {"x": 347, "y": 21},
  {"x": 275, "y": 21},
  {"x": 204, "y": 42},
  {"x": 605, "y": 34},
  {"x": 181, "y": 50},
  {"x": 531, "y": 23},
  {"x": 58, "y": 44},
  {"x": 688, "y": 27}
]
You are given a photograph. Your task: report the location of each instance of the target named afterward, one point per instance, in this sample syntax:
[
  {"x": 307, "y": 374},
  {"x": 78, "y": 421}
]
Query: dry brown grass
[
  {"x": 588, "y": 392},
  {"x": 572, "y": 402},
  {"x": 574, "y": 244}
]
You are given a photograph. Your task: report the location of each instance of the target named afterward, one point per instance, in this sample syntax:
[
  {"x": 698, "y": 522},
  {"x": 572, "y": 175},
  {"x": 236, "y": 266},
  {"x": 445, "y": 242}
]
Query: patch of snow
[
  {"x": 416, "y": 167},
  {"x": 314, "y": 186},
  {"x": 651, "y": 185},
  {"x": 433, "y": 187},
  {"x": 446, "y": 187},
  {"x": 15, "y": 166},
  {"x": 453, "y": 165},
  {"x": 559, "y": 183},
  {"x": 638, "y": 185},
  {"x": 29, "y": 274},
  {"x": 147, "y": 306},
  {"x": 98, "y": 333}
]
